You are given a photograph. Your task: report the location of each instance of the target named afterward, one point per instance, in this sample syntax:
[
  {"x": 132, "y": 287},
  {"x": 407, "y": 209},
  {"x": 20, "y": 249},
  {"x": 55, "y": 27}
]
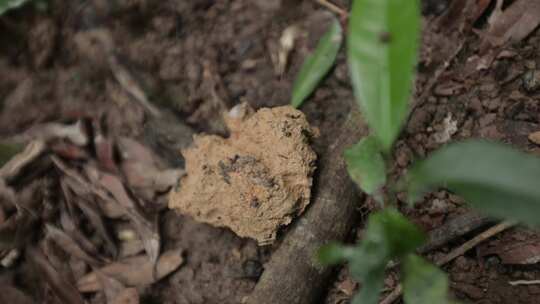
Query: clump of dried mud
[{"x": 256, "y": 180}]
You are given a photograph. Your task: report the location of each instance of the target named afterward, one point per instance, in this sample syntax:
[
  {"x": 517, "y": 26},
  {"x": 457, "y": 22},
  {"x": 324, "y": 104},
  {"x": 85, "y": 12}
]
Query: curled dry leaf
[
  {"x": 69, "y": 245},
  {"x": 134, "y": 271},
  {"x": 69, "y": 226},
  {"x": 15, "y": 230},
  {"x": 69, "y": 151},
  {"x": 46, "y": 132},
  {"x": 142, "y": 169},
  {"x": 513, "y": 24},
  {"x": 105, "y": 152},
  {"x": 64, "y": 290},
  {"x": 131, "y": 150},
  {"x": 146, "y": 228},
  {"x": 83, "y": 187},
  {"x": 89, "y": 210},
  {"x": 30, "y": 153}
]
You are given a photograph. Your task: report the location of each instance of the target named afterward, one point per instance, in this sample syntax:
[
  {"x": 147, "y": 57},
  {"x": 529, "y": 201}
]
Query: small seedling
[
  {"x": 382, "y": 47},
  {"x": 7, "y": 5}
]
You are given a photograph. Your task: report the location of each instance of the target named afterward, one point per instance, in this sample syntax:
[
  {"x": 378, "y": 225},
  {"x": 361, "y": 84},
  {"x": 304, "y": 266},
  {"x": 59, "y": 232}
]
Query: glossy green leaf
[
  {"x": 316, "y": 66},
  {"x": 495, "y": 178},
  {"x": 6, "y": 5},
  {"x": 423, "y": 283},
  {"x": 366, "y": 165},
  {"x": 382, "y": 52}
]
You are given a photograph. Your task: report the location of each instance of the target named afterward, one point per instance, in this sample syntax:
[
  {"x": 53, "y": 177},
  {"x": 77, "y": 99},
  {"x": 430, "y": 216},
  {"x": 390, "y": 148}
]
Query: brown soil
[{"x": 196, "y": 59}]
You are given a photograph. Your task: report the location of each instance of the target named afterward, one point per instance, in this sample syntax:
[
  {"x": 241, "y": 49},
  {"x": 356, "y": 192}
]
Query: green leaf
[
  {"x": 334, "y": 253},
  {"x": 388, "y": 235},
  {"x": 423, "y": 282},
  {"x": 317, "y": 65},
  {"x": 390, "y": 228},
  {"x": 366, "y": 165},
  {"x": 499, "y": 180},
  {"x": 382, "y": 52},
  {"x": 371, "y": 287},
  {"x": 6, "y": 5},
  {"x": 7, "y": 151}
]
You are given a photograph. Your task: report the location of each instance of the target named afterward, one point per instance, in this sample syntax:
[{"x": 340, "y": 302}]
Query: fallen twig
[
  {"x": 475, "y": 241},
  {"x": 454, "y": 229},
  {"x": 396, "y": 293},
  {"x": 524, "y": 282},
  {"x": 334, "y": 8}
]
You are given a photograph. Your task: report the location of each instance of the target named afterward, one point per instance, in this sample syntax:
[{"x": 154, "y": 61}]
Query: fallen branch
[{"x": 293, "y": 276}]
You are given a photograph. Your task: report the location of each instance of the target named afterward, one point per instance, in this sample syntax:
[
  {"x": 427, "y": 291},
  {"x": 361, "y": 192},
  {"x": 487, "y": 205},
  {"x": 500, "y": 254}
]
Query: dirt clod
[{"x": 256, "y": 180}]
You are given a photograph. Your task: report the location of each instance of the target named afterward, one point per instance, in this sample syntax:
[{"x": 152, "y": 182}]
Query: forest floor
[{"x": 84, "y": 83}]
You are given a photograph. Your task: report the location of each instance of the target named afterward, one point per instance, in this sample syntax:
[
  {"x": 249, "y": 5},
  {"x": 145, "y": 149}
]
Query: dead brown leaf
[
  {"x": 142, "y": 168},
  {"x": 69, "y": 245},
  {"x": 520, "y": 253},
  {"x": 46, "y": 132},
  {"x": 16, "y": 164},
  {"x": 513, "y": 24},
  {"x": 64, "y": 290},
  {"x": 111, "y": 287},
  {"x": 97, "y": 221},
  {"x": 83, "y": 187},
  {"x": 69, "y": 151},
  {"x": 10, "y": 294},
  {"x": 134, "y": 271},
  {"x": 69, "y": 226},
  {"x": 146, "y": 228},
  {"x": 104, "y": 147},
  {"x": 7, "y": 197},
  {"x": 127, "y": 296},
  {"x": 481, "y": 6},
  {"x": 134, "y": 151}
]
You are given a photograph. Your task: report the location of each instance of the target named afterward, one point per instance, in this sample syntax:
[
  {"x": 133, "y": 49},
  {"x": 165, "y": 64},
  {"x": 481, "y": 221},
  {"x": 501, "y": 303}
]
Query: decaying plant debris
[
  {"x": 256, "y": 180},
  {"x": 81, "y": 205}
]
